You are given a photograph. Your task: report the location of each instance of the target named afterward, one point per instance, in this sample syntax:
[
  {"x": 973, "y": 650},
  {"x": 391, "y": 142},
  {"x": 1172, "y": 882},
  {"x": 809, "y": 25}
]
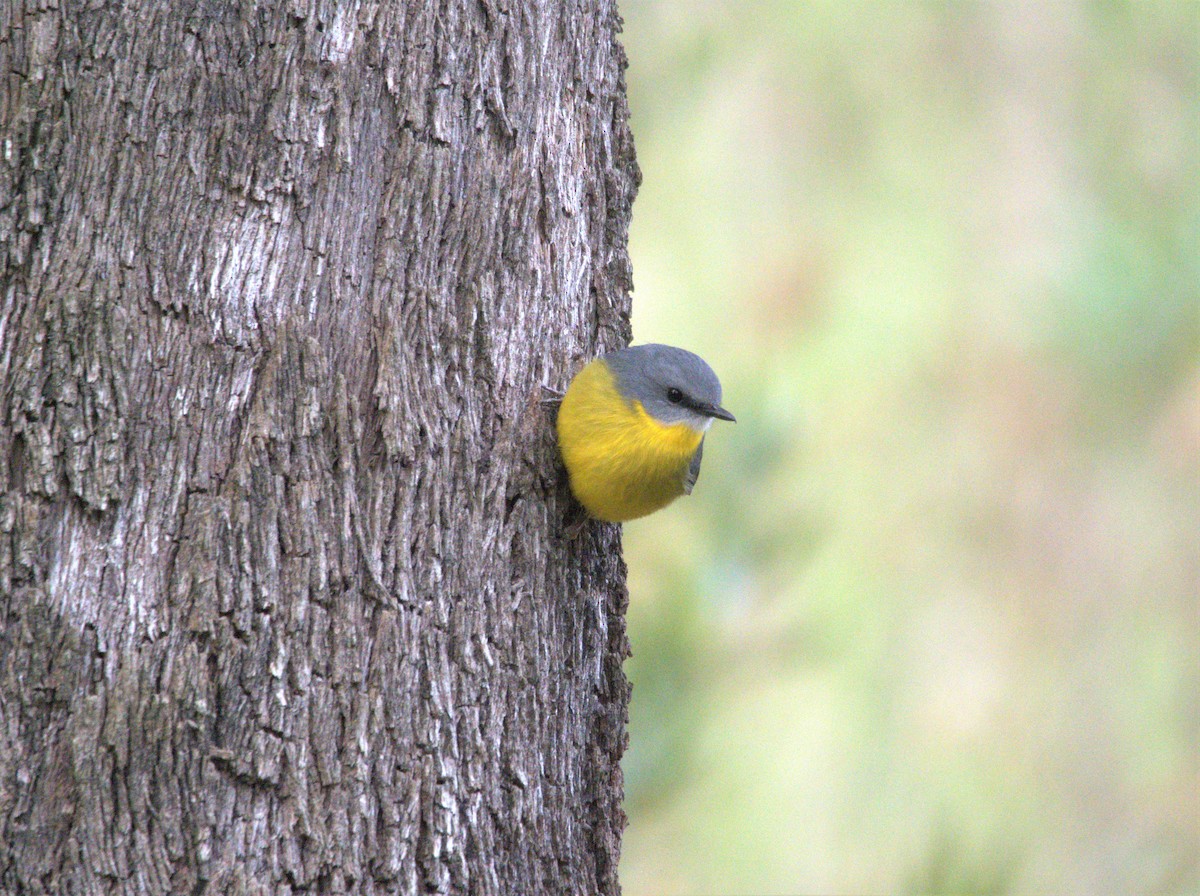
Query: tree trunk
[{"x": 286, "y": 602}]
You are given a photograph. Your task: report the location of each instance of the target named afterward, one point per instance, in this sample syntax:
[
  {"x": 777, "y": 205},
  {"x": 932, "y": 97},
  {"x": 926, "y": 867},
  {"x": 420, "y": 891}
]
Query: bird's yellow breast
[{"x": 622, "y": 462}]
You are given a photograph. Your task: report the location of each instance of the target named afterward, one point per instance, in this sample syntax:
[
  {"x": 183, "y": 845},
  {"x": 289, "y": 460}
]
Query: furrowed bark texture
[{"x": 285, "y": 598}]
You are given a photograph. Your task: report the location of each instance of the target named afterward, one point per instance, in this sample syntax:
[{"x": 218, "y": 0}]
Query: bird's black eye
[{"x": 674, "y": 396}]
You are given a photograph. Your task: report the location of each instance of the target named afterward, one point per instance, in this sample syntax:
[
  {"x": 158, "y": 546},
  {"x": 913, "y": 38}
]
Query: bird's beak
[{"x": 712, "y": 410}]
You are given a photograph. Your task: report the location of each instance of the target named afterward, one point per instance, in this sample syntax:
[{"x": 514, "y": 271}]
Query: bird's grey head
[{"x": 673, "y": 385}]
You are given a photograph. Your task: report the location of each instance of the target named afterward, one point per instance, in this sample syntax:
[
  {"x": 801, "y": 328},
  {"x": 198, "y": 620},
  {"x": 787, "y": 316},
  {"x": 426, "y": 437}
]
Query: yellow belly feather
[{"x": 622, "y": 462}]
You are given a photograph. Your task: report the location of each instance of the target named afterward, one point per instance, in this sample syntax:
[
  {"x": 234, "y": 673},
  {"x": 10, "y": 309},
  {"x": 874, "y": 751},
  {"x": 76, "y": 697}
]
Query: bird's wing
[{"x": 693, "y": 473}]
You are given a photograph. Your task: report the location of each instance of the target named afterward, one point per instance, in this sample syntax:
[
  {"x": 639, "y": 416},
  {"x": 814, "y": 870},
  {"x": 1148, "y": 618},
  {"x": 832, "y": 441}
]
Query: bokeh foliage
[{"x": 931, "y": 621}]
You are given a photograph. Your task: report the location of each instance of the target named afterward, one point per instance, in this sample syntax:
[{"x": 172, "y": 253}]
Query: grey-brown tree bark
[{"x": 286, "y": 603}]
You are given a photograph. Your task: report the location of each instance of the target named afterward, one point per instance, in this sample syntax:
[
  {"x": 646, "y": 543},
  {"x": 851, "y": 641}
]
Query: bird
[{"x": 631, "y": 429}]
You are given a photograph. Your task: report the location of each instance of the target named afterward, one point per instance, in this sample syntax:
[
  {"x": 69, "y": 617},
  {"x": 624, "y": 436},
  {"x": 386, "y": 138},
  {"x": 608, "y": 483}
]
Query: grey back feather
[{"x": 693, "y": 473}]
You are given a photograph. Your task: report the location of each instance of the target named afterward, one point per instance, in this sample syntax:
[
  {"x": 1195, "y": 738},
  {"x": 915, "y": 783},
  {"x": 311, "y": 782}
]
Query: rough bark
[{"x": 286, "y": 602}]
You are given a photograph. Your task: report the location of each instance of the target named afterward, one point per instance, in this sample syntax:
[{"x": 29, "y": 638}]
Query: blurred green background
[{"x": 931, "y": 621}]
